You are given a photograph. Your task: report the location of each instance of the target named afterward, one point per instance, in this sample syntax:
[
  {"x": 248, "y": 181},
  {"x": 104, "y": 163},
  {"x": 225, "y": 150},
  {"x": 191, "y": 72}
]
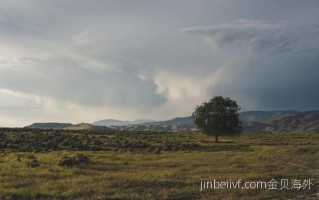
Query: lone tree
[{"x": 218, "y": 117}]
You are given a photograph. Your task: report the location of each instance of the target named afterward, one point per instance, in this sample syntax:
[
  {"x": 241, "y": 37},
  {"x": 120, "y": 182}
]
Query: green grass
[{"x": 139, "y": 174}]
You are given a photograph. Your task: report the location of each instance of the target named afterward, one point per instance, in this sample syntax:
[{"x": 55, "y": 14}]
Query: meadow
[{"x": 37, "y": 164}]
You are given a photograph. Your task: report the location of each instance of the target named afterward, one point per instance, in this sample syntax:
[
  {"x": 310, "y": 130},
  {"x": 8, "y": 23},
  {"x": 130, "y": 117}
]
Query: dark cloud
[
  {"x": 86, "y": 60},
  {"x": 255, "y": 35},
  {"x": 272, "y": 65}
]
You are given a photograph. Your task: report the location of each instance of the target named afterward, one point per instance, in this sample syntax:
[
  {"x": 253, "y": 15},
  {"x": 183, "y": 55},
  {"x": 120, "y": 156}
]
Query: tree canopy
[{"x": 218, "y": 117}]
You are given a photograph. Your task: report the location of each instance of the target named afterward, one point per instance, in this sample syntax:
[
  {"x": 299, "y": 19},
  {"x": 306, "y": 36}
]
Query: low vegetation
[
  {"x": 64, "y": 164},
  {"x": 36, "y": 140}
]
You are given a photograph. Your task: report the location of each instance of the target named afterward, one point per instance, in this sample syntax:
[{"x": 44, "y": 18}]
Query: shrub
[
  {"x": 95, "y": 148},
  {"x": 19, "y": 158},
  {"x": 169, "y": 146},
  {"x": 74, "y": 160},
  {"x": 157, "y": 150},
  {"x": 149, "y": 149},
  {"x": 31, "y": 157},
  {"x": 190, "y": 146},
  {"x": 33, "y": 163}
]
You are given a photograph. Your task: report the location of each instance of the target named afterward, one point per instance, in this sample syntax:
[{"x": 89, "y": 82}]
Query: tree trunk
[{"x": 216, "y": 138}]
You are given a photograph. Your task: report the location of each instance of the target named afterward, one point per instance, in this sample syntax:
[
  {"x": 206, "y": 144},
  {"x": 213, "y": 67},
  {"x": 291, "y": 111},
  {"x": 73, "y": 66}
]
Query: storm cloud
[
  {"x": 253, "y": 34},
  {"x": 81, "y": 61}
]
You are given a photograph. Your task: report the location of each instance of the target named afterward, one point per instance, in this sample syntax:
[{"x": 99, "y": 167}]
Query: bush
[
  {"x": 33, "y": 163},
  {"x": 31, "y": 156},
  {"x": 157, "y": 150},
  {"x": 169, "y": 146},
  {"x": 190, "y": 146},
  {"x": 95, "y": 148},
  {"x": 19, "y": 158},
  {"x": 74, "y": 160},
  {"x": 149, "y": 149}
]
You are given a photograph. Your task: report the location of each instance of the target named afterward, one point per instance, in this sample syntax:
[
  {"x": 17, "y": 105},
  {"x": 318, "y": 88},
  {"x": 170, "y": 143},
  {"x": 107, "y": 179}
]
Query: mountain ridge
[
  {"x": 253, "y": 122},
  {"x": 115, "y": 122},
  {"x": 86, "y": 126},
  {"x": 49, "y": 125}
]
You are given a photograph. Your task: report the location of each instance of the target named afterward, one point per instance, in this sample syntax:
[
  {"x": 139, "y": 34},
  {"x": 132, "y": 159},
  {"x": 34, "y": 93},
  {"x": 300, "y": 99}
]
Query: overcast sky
[{"x": 86, "y": 60}]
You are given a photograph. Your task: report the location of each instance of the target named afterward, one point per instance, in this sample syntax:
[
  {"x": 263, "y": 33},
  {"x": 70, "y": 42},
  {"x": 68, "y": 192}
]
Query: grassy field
[{"x": 162, "y": 166}]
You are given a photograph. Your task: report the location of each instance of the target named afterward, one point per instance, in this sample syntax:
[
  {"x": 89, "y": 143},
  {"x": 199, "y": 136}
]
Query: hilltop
[
  {"x": 253, "y": 122},
  {"x": 85, "y": 126},
  {"x": 49, "y": 125},
  {"x": 115, "y": 122}
]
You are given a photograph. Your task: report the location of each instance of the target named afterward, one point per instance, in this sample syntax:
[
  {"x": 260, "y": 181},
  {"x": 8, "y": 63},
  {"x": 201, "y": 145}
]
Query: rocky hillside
[
  {"x": 260, "y": 115},
  {"x": 253, "y": 122},
  {"x": 85, "y": 126},
  {"x": 287, "y": 122}
]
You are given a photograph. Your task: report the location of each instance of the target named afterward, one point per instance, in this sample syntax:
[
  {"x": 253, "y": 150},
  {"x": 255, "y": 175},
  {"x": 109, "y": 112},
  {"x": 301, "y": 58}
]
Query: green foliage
[
  {"x": 218, "y": 117},
  {"x": 74, "y": 160}
]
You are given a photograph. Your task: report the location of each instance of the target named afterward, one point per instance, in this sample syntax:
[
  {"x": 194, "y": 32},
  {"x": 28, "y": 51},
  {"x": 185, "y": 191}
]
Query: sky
[{"x": 86, "y": 60}]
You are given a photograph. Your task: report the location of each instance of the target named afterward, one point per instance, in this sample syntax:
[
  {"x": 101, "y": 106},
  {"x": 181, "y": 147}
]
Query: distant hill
[
  {"x": 253, "y": 122},
  {"x": 49, "y": 125},
  {"x": 173, "y": 125},
  {"x": 260, "y": 115},
  {"x": 114, "y": 122},
  {"x": 68, "y": 126},
  {"x": 287, "y": 122},
  {"x": 179, "y": 121},
  {"x": 85, "y": 126}
]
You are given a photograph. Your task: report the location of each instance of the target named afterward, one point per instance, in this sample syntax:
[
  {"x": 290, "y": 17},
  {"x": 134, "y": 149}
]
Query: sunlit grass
[{"x": 168, "y": 175}]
